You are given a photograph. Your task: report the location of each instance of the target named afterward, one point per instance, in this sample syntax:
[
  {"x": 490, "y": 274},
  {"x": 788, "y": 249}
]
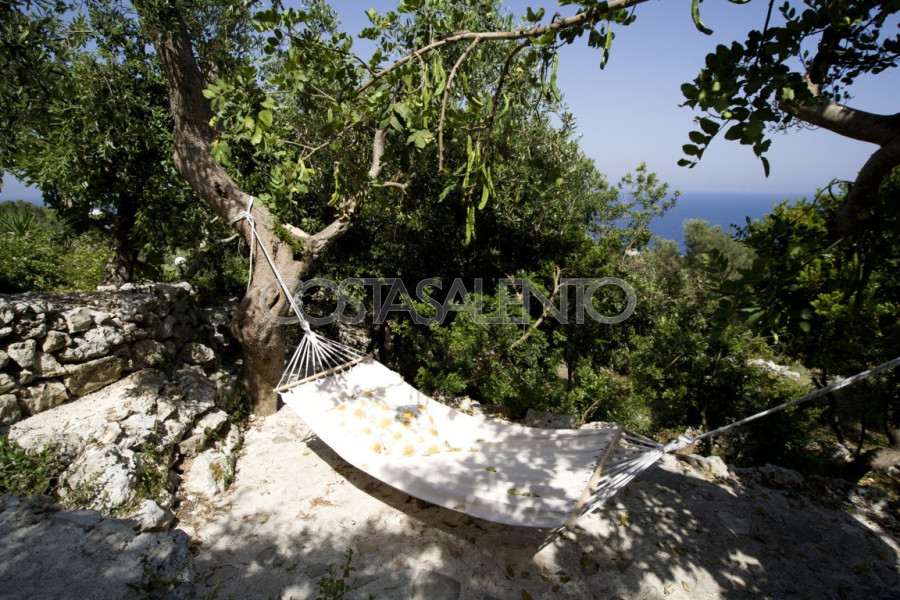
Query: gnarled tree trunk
[{"x": 262, "y": 340}]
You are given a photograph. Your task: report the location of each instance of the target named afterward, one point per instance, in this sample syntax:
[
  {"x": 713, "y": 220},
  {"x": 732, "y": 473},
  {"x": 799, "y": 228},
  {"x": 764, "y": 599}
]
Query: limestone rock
[
  {"x": 9, "y": 409},
  {"x": 53, "y": 552},
  {"x": 44, "y": 396},
  {"x": 91, "y": 376},
  {"x": 77, "y": 319},
  {"x": 712, "y": 465},
  {"x": 197, "y": 354},
  {"x": 150, "y": 516},
  {"x": 600, "y": 425},
  {"x": 780, "y": 476},
  {"x": 202, "y": 397},
  {"x": 7, "y": 313},
  {"x": 33, "y": 328},
  {"x": 93, "y": 344},
  {"x": 55, "y": 340},
  {"x": 99, "y": 317},
  {"x": 210, "y": 474},
  {"x": 549, "y": 420},
  {"x": 770, "y": 367},
  {"x": 6, "y": 383},
  {"x": 431, "y": 585},
  {"x": 23, "y": 353},
  {"x": 107, "y": 476},
  {"x": 92, "y": 417},
  {"x": 206, "y": 428},
  {"x": 165, "y": 328},
  {"x": 4, "y": 359},
  {"x": 25, "y": 377},
  {"x": 138, "y": 429},
  {"x": 45, "y": 366},
  {"x": 148, "y": 353}
]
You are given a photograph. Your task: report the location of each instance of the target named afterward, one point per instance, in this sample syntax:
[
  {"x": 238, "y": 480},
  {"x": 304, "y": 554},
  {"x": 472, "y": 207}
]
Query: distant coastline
[{"x": 717, "y": 208}]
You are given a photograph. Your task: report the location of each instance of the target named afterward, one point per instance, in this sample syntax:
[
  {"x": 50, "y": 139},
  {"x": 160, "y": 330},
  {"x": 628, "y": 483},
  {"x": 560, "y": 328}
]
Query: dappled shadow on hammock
[{"x": 502, "y": 472}]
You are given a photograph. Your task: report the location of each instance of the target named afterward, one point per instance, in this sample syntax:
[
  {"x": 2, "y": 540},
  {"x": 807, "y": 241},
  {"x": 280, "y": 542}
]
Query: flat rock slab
[
  {"x": 296, "y": 508},
  {"x": 49, "y": 552}
]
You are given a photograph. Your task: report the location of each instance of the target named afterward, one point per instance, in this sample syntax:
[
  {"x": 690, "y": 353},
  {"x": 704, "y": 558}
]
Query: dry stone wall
[{"x": 55, "y": 348}]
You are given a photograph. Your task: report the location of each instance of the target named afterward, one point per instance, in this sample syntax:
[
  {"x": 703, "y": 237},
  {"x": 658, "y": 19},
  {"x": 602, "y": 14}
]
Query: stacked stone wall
[{"x": 58, "y": 347}]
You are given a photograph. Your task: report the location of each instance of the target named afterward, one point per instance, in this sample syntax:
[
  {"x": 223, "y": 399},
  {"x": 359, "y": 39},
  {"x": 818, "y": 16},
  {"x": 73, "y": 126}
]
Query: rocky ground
[{"x": 292, "y": 510}]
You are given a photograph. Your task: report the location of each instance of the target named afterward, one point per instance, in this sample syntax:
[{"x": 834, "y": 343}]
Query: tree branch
[
  {"x": 543, "y": 316},
  {"x": 883, "y": 130},
  {"x": 843, "y": 120},
  {"x": 314, "y": 244},
  {"x": 864, "y": 189},
  {"x": 576, "y": 20}
]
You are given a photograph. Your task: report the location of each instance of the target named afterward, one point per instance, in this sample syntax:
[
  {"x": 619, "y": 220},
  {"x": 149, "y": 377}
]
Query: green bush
[
  {"x": 29, "y": 262},
  {"x": 40, "y": 253},
  {"x": 29, "y": 472}
]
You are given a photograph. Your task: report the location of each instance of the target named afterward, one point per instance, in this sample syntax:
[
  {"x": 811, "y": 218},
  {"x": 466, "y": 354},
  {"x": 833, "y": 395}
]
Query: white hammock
[{"x": 496, "y": 471}]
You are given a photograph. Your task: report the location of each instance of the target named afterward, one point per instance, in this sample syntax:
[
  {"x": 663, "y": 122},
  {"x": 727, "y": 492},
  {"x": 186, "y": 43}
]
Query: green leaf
[
  {"x": 420, "y": 138},
  {"x": 690, "y": 150},
  {"x": 607, "y": 44},
  {"x": 805, "y": 326},
  {"x": 257, "y": 136},
  {"x": 709, "y": 126},
  {"x": 765, "y": 164},
  {"x": 689, "y": 91},
  {"x": 209, "y": 93},
  {"x": 534, "y": 17},
  {"x": 249, "y": 123},
  {"x": 695, "y": 14},
  {"x": 698, "y": 138},
  {"x": 265, "y": 118},
  {"x": 735, "y": 132},
  {"x": 787, "y": 93},
  {"x": 402, "y": 111},
  {"x": 756, "y": 316}
]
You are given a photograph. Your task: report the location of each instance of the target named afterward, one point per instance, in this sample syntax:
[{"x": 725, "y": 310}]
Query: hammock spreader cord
[{"x": 683, "y": 440}]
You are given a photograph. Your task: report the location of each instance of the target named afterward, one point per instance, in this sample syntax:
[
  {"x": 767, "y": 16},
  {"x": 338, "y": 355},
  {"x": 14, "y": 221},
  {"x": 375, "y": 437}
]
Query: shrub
[{"x": 29, "y": 472}]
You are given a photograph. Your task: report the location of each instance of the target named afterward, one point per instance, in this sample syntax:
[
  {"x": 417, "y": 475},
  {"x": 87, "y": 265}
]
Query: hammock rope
[
  {"x": 544, "y": 478},
  {"x": 315, "y": 355},
  {"x": 684, "y": 441}
]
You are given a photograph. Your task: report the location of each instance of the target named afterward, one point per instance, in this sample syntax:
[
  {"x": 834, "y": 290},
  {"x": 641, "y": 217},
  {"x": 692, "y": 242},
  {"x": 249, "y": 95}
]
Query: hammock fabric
[{"x": 495, "y": 471}]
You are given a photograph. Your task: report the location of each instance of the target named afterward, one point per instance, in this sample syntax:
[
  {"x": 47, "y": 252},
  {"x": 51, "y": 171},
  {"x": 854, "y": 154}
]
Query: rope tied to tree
[{"x": 256, "y": 240}]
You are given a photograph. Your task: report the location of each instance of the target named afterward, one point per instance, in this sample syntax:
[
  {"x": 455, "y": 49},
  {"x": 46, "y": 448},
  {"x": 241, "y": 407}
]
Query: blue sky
[{"x": 629, "y": 113}]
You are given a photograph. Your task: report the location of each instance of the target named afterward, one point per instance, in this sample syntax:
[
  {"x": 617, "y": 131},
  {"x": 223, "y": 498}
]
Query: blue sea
[{"x": 727, "y": 209}]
